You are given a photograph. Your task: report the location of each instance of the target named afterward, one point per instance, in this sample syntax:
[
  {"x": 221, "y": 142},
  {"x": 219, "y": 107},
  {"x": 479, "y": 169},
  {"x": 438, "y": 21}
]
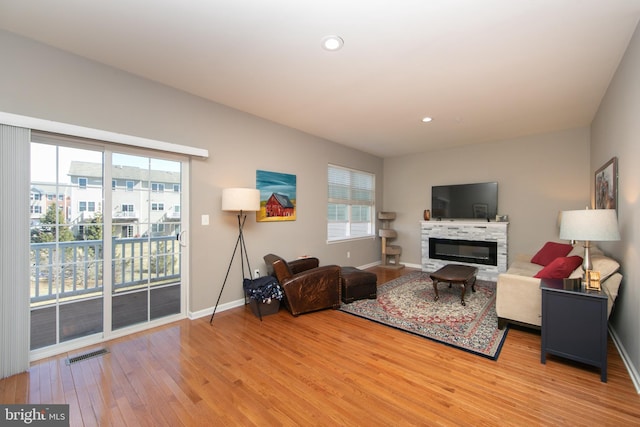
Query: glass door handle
[{"x": 181, "y": 238}]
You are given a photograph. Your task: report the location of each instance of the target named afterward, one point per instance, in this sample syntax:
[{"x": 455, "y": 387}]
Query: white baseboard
[
  {"x": 222, "y": 307},
  {"x": 633, "y": 372},
  {"x": 418, "y": 266},
  {"x": 372, "y": 264}
]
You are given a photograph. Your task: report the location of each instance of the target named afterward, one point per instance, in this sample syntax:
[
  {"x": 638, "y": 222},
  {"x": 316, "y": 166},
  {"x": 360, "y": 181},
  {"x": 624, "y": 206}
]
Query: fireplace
[
  {"x": 481, "y": 244},
  {"x": 464, "y": 251}
]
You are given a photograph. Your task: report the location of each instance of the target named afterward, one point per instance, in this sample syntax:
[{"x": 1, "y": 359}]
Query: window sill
[{"x": 351, "y": 239}]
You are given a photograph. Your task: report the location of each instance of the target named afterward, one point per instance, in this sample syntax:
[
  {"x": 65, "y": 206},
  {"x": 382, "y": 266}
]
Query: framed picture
[
  {"x": 606, "y": 185},
  {"x": 277, "y": 196}
]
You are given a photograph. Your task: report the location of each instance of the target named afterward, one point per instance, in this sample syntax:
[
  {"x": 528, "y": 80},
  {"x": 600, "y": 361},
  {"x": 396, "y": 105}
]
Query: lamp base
[
  {"x": 586, "y": 260},
  {"x": 586, "y": 264},
  {"x": 591, "y": 280}
]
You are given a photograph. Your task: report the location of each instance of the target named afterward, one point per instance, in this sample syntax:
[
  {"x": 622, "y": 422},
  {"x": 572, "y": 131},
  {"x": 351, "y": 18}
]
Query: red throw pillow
[
  {"x": 551, "y": 251},
  {"x": 560, "y": 268}
]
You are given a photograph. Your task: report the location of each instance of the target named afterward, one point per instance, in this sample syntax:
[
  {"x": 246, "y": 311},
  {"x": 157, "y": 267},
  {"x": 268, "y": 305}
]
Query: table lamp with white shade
[{"x": 589, "y": 225}]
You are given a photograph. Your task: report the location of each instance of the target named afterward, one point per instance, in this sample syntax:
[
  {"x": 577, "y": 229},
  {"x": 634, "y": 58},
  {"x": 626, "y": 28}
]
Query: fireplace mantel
[{"x": 476, "y": 231}]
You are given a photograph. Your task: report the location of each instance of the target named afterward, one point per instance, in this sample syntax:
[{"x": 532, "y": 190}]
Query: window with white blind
[{"x": 351, "y": 204}]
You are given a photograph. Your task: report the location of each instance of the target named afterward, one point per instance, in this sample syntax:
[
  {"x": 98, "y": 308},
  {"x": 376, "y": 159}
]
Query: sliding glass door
[
  {"x": 103, "y": 259},
  {"x": 146, "y": 197},
  {"x": 67, "y": 264}
]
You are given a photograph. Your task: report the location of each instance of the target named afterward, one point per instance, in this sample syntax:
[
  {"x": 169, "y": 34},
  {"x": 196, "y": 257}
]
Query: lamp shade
[
  {"x": 596, "y": 225},
  {"x": 240, "y": 199}
]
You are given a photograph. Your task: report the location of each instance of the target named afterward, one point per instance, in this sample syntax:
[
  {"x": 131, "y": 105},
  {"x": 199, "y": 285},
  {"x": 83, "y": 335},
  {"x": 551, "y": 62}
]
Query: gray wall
[
  {"x": 616, "y": 133},
  {"x": 538, "y": 176},
  {"x": 50, "y": 84}
]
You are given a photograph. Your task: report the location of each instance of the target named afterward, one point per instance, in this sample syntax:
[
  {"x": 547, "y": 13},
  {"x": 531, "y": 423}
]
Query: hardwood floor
[{"x": 324, "y": 368}]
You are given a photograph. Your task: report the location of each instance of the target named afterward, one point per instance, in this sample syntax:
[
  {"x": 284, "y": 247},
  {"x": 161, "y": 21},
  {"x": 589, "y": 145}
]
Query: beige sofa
[{"x": 518, "y": 295}]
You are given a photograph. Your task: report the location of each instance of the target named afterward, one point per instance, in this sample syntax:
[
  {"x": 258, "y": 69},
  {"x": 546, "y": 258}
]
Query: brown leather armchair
[{"x": 307, "y": 287}]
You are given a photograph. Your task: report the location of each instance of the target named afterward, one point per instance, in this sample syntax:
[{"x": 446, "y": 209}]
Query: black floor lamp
[{"x": 239, "y": 200}]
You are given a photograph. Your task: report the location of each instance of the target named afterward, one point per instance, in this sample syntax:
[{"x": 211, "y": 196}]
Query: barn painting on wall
[{"x": 277, "y": 196}]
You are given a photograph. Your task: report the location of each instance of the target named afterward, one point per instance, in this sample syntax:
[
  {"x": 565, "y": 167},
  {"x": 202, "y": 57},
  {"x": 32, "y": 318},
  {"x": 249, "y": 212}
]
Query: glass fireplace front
[{"x": 468, "y": 251}]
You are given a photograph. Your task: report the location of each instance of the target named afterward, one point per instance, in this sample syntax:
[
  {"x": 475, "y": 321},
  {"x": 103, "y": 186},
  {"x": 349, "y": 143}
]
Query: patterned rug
[{"x": 406, "y": 303}]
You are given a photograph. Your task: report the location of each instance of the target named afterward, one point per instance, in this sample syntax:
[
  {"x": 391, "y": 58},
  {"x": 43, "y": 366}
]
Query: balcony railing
[
  {"x": 172, "y": 215},
  {"x": 125, "y": 214},
  {"x": 73, "y": 269}
]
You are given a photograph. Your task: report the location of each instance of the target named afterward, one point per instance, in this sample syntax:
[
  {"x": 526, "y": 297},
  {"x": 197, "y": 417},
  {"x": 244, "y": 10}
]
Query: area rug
[{"x": 406, "y": 303}]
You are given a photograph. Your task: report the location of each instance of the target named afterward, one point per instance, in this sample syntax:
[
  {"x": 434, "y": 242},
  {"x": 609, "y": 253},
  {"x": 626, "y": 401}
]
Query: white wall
[
  {"x": 616, "y": 133},
  {"x": 538, "y": 176},
  {"x": 46, "y": 83}
]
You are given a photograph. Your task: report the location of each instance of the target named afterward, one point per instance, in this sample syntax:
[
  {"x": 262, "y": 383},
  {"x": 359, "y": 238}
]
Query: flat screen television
[{"x": 465, "y": 201}]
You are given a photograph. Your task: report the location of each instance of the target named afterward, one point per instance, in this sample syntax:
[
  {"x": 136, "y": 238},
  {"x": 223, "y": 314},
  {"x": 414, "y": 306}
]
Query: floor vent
[{"x": 85, "y": 356}]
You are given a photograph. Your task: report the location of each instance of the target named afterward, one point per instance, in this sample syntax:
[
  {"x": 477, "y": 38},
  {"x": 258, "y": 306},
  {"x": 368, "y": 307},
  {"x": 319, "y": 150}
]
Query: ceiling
[{"x": 485, "y": 70}]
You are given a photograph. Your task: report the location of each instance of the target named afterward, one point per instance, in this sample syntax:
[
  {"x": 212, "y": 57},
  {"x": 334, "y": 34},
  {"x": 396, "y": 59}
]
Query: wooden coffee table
[{"x": 455, "y": 273}]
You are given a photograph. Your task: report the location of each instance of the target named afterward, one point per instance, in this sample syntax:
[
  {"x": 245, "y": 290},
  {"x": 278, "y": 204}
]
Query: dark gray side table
[{"x": 574, "y": 323}]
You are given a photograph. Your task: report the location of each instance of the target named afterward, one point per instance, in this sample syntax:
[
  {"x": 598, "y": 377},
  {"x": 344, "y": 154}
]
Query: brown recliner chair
[{"x": 307, "y": 287}]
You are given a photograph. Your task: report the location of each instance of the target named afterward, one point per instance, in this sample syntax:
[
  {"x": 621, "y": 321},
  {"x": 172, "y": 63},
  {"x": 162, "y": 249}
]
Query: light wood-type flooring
[{"x": 327, "y": 369}]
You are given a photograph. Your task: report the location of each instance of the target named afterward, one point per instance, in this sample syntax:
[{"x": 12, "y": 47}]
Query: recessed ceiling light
[
  {"x": 426, "y": 119},
  {"x": 332, "y": 43}
]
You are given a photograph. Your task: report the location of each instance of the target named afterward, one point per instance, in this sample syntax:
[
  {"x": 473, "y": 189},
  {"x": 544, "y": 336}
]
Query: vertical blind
[
  {"x": 351, "y": 203},
  {"x": 14, "y": 250}
]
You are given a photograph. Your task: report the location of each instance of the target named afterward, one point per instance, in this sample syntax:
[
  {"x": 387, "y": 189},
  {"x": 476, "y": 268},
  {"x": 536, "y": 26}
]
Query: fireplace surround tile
[{"x": 469, "y": 231}]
